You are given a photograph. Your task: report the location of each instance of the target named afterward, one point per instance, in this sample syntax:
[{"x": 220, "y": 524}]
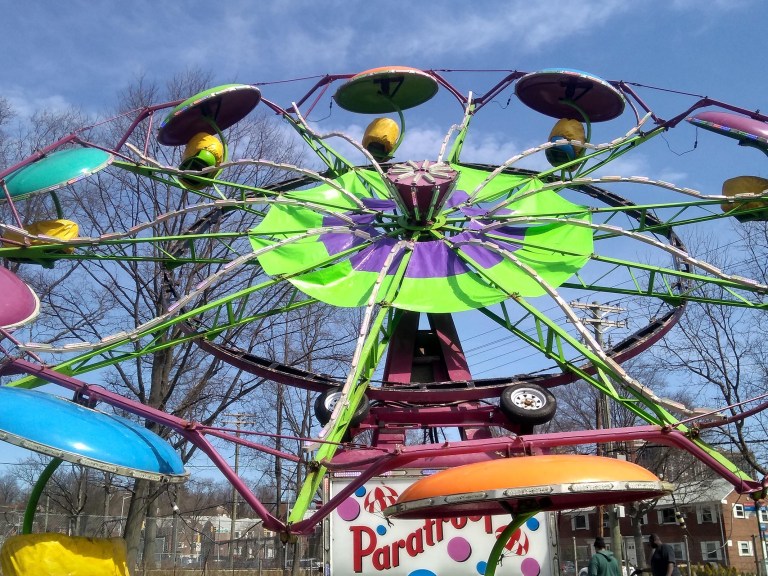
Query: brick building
[{"x": 721, "y": 526}]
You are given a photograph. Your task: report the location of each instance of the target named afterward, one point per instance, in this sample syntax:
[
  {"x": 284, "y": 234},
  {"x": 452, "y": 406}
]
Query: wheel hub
[{"x": 423, "y": 187}]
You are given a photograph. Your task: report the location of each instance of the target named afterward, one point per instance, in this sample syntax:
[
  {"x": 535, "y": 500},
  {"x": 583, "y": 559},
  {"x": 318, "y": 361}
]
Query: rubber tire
[
  {"x": 326, "y": 401},
  {"x": 528, "y": 404}
]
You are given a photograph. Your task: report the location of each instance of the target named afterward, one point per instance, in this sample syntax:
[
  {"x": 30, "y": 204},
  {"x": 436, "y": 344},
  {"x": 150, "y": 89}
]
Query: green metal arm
[{"x": 37, "y": 491}]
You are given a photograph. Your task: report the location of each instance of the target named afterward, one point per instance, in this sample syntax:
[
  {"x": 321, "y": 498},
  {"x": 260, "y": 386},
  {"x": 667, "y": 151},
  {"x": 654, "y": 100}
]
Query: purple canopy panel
[
  {"x": 223, "y": 105},
  {"x": 19, "y": 304},
  {"x": 550, "y": 92},
  {"x": 746, "y": 130},
  {"x": 423, "y": 185},
  {"x": 374, "y": 257},
  {"x": 338, "y": 242},
  {"x": 486, "y": 257},
  {"x": 378, "y": 204},
  {"x": 434, "y": 259}
]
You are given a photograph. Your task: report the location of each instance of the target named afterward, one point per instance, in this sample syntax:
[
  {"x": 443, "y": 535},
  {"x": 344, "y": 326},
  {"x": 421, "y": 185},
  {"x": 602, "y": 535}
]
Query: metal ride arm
[
  {"x": 378, "y": 460},
  {"x": 368, "y": 353},
  {"x": 193, "y": 432},
  {"x": 551, "y": 340},
  {"x": 498, "y": 547}
]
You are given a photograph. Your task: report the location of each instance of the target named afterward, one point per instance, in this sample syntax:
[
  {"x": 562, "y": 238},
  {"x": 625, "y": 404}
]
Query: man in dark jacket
[
  {"x": 663, "y": 558},
  {"x": 603, "y": 563}
]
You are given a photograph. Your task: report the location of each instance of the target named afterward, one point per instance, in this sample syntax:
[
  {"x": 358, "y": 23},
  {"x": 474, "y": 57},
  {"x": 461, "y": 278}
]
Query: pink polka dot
[
  {"x": 349, "y": 509},
  {"x": 530, "y": 567},
  {"x": 459, "y": 549}
]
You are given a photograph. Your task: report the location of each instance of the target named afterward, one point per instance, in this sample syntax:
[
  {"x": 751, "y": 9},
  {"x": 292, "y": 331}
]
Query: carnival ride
[{"x": 407, "y": 242}]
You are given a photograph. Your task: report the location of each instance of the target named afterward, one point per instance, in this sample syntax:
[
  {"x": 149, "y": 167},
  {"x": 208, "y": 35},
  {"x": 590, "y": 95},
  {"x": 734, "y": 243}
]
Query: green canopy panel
[{"x": 336, "y": 250}]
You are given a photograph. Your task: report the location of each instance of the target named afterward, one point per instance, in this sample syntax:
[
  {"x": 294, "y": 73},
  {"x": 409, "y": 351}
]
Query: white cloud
[
  {"x": 627, "y": 165},
  {"x": 421, "y": 144},
  {"x": 673, "y": 176},
  {"x": 25, "y": 107},
  {"x": 519, "y": 26},
  {"x": 641, "y": 165},
  {"x": 712, "y": 5},
  {"x": 425, "y": 142}
]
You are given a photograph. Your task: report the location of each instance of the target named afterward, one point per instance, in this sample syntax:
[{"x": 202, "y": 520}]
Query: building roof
[{"x": 704, "y": 492}]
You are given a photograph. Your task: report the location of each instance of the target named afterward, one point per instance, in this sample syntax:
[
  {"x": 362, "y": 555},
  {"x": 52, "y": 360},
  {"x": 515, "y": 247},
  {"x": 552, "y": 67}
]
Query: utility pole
[
  {"x": 175, "y": 534},
  {"x": 761, "y": 540},
  {"x": 238, "y": 421},
  {"x": 597, "y": 319}
]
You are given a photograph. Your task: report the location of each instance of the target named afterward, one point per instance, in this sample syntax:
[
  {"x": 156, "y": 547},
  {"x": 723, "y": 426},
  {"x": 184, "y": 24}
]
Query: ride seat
[{"x": 61, "y": 555}]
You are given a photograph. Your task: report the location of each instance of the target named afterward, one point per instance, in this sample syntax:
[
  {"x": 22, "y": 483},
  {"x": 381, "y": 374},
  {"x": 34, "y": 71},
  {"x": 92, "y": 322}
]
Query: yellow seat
[
  {"x": 380, "y": 138},
  {"x": 202, "y": 151},
  {"x": 61, "y": 555},
  {"x": 746, "y": 185},
  {"x": 566, "y": 129},
  {"x": 61, "y": 229}
]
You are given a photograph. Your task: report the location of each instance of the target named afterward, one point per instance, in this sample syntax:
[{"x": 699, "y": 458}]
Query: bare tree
[
  {"x": 11, "y": 492},
  {"x": 718, "y": 352},
  {"x": 577, "y": 409},
  {"x": 124, "y": 285}
]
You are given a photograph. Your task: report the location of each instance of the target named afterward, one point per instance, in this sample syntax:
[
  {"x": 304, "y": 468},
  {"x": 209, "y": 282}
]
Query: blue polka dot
[
  {"x": 532, "y": 524},
  {"x": 360, "y": 491},
  {"x": 422, "y": 572},
  {"x": 481, "y": 566},
  {"x": 381, "y": 529}
]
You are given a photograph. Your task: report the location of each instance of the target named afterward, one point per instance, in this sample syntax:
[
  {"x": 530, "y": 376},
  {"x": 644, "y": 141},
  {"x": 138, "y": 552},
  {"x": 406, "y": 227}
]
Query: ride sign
[{"x": 363, "y": 541}]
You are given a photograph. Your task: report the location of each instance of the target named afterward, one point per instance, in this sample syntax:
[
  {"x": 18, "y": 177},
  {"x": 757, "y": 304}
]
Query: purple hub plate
[{"x": 423, "y": 186}]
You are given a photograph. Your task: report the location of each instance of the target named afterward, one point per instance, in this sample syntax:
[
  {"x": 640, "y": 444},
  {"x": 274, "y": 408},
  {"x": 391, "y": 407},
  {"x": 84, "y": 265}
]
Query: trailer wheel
[
  {"x": 326, "y": 402},
  {"x": 528, "y": 404}
]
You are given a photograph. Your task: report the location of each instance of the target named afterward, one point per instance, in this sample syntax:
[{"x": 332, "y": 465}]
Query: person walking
[
  {"x": 663, "y": 558},
  {"x": 603, "y": 562}
]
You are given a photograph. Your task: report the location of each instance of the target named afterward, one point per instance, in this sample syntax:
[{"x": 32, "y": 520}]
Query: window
[
  {"x": 580, "y": 522},
  {"x": 666, "y": 516},
  {"x": 738, "y": 511},
  {"x": 606, "y": 519},
  {"x": 763, "y": 513},
  {"x": 705, "y": 513},
  {"x": 679, "y": 549},
  {"x": 711, "y": 551},
  {"x": 745, "y": 548}
]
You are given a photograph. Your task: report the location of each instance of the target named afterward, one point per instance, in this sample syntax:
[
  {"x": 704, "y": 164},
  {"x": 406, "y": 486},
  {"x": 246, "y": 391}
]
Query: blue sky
[
  {"x": 83, "y": 53},
  {"x": 79, "y": 53}
]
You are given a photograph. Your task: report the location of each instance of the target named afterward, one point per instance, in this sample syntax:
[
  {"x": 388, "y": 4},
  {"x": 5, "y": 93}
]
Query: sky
[{"x": 82, "y": 54}]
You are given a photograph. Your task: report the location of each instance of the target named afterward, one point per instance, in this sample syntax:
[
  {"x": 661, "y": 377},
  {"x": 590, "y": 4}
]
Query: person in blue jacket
[{"x": 603, "y": 562}]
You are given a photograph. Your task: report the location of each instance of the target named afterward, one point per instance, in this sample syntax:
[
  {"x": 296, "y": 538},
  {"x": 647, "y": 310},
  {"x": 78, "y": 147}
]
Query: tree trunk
[
  {"x": 150, "y": 534},
  {"x": 107, "y": 528},
  {"x": 135, "y": 520},
  {"x": 637, "y": 534},
  {"x": 82, "y": 494},
  {"x": 281, "y": 550},
  {"x": 296, "y": 557},
  {"x": 142, "y": 501}
]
